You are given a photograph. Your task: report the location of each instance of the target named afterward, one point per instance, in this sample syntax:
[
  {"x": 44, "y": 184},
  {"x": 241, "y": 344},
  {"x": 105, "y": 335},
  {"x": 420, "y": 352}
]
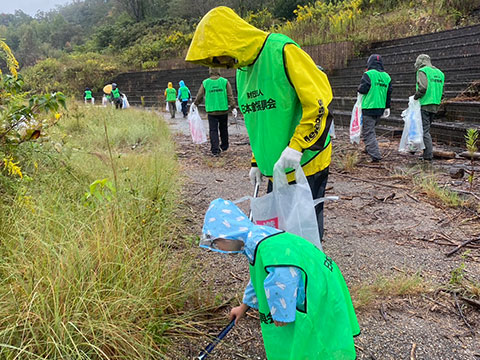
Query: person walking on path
[
  {"x": 88, "y": 96},
  {"x": 429, "y": 91},
  {"x": 300, "y": 319},
  {"x": 170, "y": 97},
  {"x": 283, "y": 96},
  {"x": 184, "y": 95},
  {"x": 376, "y": 88},
  {"x": 116, "y": 96},
  {"x": 218, "y": 100}
]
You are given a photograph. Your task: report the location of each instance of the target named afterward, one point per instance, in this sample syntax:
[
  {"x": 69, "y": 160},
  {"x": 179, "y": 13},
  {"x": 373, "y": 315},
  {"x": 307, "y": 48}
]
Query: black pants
[
  {"x": 318, "y": 184},
  {"x": 184, "y": 108},
  {"x": 215, "y": 123},
  {"x": 427, "y": 118},
  {"x": 118, "y": 103}
]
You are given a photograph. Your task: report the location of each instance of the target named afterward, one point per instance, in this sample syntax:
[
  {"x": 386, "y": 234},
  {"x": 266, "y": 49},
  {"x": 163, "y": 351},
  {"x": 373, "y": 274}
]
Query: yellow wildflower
[
  {"x": 11, "y": 167},
  {"x": 12, "y": 63}
]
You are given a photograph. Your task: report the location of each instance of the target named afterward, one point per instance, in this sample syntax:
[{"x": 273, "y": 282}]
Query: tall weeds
[{"x": 101, "y": 281}]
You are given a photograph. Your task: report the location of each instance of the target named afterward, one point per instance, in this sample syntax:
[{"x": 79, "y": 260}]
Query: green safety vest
[
  {"x": 325, "y": 327},
  {"x": 216, "y": 94},
  {"x": 171, "y": 94},
  {"x": 184, "y": 93},
  {"x": 436, "y": 80},
  {"x": 376, "y": 98},
  {"x": 88, "y": 95},
  {"x": 116, "y": 93},
  {"x": 270, "y": 105}
]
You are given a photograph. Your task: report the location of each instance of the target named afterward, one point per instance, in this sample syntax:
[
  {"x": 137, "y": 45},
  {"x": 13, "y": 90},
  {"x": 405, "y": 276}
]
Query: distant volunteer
[
  {"x": 218, "y": 95},
  {"x": 170, "y": 97},
  {"x": 376, "y": 88},
  {"x": 116, "y": 96},
  {"x": 184, "y": 95},
  {"x": 430, "y": 83},
  {"x": 88, "y": 96}
]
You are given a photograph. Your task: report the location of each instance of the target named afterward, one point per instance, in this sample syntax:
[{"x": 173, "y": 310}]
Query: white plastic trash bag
[
  {"x": 288, "y": 207},
  {"x": 412, "y": 136},
  {"x": 356, "y": 121},
  {"x": 331, "y": 132},
  {"x": 125, "y": 104},
  {"x": 196, "y": 126},
  {"x": 178, "y": 104},
  {"x": 167, "y": 108}
]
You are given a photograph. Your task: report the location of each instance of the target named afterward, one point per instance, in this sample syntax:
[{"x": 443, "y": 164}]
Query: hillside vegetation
[{"x": 85, "y": 43}]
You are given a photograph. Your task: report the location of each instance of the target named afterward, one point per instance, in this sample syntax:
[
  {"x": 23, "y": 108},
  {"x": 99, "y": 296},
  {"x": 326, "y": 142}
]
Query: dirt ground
[{"x": 383, "y": 226}]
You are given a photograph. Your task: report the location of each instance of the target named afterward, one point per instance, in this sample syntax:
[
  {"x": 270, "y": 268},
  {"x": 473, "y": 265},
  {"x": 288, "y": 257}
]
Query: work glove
[
  {"x": 234, "y": 112},
  {"x": 386, "y": 113},
  {"x": 255, "y": 175},
  {"x": 290, "y": 158}
]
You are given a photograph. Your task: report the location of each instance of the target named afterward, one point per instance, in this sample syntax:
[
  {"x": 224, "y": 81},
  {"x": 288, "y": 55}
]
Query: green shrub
[{"x": 72, "y": 73}]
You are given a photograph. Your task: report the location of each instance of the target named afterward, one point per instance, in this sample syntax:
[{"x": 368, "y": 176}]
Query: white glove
[
  {"x": 290, "y": 158},
  {"x": 234, "y": 112},
  {"x": 194, "y": 107},
  {"x": 386, "y": 113},
  {"x": 255, "y": 175}
]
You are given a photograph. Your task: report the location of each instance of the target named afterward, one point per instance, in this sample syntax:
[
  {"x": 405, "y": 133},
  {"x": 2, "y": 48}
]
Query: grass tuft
[
  {"x": 365, "y": 295},
  {"x": 348, "y": 161}
]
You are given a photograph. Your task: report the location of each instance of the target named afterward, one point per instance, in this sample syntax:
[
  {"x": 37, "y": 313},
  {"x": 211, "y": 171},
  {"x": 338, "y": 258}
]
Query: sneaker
[
  {"x": 421, "y": 158},
  {"x": 374, "y": 160}
]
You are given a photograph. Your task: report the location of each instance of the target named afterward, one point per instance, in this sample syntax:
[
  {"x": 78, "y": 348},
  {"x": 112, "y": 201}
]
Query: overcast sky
[{"x": 29, "y": 7}]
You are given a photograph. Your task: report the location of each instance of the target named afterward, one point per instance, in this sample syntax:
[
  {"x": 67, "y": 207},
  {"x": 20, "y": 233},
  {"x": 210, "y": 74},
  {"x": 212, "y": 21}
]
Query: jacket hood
[
  {"x": 181, "y": 83},
  {"x": 170, "y": 85},
  {"x": 225, "y": 220},
  {"x": 221, "y": 32},
  {"x": 422, "y": 61},
  {"x": 375, "y": 62}
]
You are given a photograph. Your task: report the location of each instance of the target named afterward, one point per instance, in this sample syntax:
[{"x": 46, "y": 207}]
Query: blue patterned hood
[{"x": 225, "y": 220}]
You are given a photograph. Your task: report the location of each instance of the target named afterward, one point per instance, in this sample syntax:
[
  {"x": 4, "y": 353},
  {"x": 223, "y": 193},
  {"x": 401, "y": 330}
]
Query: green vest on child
[{"x": 324, "y": 328}]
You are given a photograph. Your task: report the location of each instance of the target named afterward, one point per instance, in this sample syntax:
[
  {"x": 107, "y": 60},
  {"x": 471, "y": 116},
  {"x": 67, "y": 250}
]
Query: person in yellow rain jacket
[
  {"x": 283, "y": 96},
  {"x": 170, "y": 98}
]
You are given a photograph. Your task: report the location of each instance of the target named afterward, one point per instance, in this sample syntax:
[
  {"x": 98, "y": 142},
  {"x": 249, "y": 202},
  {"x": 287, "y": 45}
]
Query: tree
[
  {"x": 135, "y": 8},
  {"x": 28, "y": 49}
]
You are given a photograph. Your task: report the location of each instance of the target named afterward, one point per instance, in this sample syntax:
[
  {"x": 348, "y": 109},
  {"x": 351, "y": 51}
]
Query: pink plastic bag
[
  {"x": 196, "y": 126},
  {"x": 356, "y": 121}
]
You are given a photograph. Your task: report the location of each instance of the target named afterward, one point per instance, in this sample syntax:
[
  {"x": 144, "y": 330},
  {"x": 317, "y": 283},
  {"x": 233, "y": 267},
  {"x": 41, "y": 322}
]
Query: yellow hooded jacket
[
  {"x": 173, "y": 93},
  {"x": 221, "y": 32}
]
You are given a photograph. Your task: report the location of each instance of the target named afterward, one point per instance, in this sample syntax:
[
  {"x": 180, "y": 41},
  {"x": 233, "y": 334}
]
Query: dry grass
[
  {"x": 367, "y": 294},
  {"x": 348, "y": 160}
]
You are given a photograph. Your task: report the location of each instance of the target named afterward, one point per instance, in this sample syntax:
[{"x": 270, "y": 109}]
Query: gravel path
[{"x": 379, "y": 229}]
